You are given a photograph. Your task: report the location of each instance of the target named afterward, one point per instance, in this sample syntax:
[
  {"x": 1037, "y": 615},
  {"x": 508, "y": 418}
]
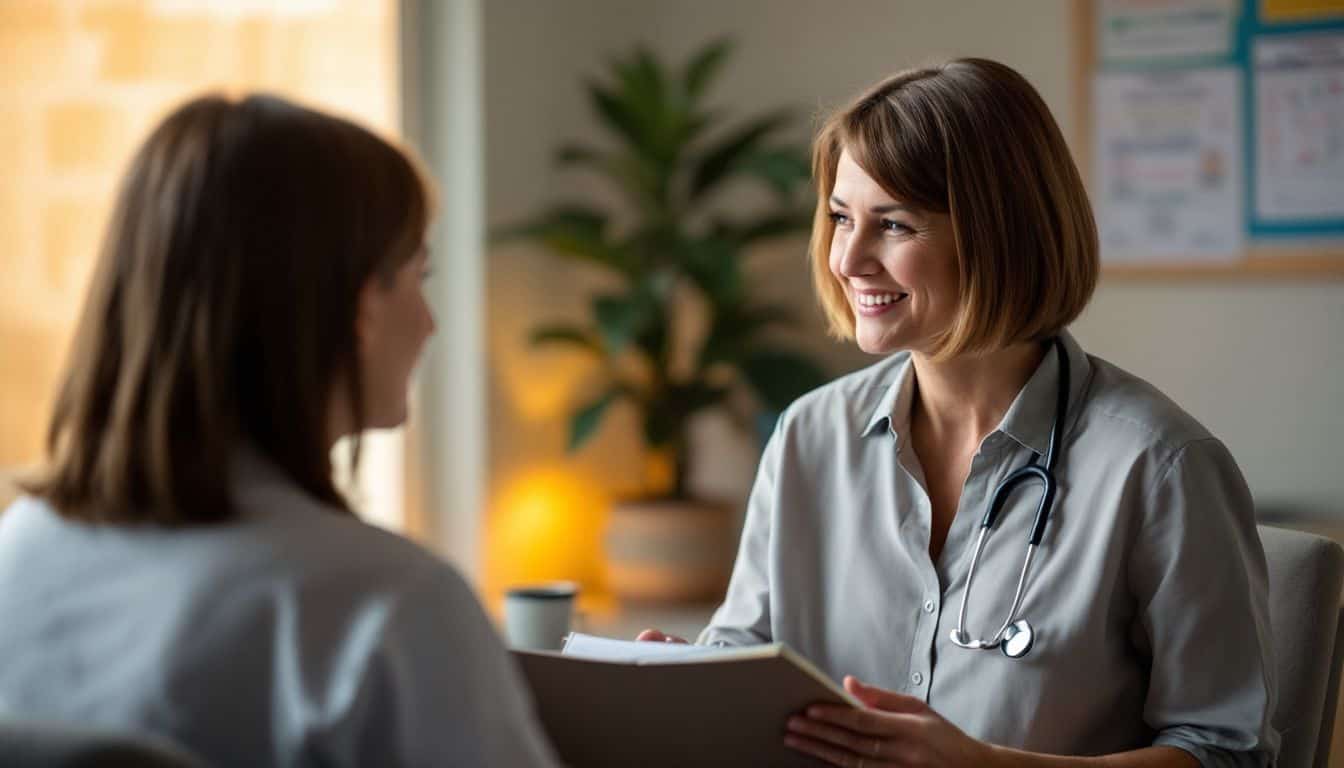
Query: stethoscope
[{"x": 1015, "y": 636}]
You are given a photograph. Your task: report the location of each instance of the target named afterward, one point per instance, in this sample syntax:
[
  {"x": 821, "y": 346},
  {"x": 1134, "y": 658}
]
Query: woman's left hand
[{"x": 894, "y": 730}]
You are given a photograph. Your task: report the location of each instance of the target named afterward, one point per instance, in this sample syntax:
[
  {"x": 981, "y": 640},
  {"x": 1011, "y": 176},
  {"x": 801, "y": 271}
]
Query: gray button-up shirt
[{"x": 1147, "y": 595}]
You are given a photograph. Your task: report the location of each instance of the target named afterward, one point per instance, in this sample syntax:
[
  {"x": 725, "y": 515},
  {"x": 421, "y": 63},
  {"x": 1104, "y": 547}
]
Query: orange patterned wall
[{"x": 82, "y": 81}]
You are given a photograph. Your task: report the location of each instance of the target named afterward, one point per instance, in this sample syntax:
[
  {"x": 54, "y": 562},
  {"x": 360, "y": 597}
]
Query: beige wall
[{"x": 1261, "y": 363}]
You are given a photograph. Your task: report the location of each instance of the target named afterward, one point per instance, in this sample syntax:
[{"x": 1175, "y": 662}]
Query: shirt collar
[
  {"x": 1032, "y": 415},
  {"x": 893, "y": 409},
  {"x": 1028, "y": 420}
]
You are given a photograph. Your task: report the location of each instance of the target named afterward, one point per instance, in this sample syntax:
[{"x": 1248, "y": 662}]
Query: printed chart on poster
[{"x": 1216, "y": 139}]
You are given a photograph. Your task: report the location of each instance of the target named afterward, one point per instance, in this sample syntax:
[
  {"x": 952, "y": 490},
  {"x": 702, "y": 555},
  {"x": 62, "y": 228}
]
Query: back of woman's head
[
  {"x": 222, "y": 309},
  {"x": 973, "y": 139}
]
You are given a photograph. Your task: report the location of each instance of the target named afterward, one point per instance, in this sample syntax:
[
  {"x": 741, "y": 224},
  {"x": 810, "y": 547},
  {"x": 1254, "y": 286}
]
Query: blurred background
[{"x": 538, "y": 333}]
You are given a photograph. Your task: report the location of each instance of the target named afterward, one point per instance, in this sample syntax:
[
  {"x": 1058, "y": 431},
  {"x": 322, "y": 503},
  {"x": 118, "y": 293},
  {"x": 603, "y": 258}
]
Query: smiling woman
[
  {"x": 926, "y": 177},
  {"x": 952, "y": 235}
]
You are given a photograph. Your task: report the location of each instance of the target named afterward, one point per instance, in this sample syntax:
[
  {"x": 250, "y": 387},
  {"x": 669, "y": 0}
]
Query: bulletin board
[{"x": 1211, "y": 133}]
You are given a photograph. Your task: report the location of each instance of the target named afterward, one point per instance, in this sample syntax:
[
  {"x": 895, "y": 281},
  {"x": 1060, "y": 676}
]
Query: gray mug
[{"x": 537, "y": 617}]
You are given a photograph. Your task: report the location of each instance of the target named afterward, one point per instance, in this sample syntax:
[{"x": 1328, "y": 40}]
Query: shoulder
[
  {"x": 25, "y": 517},
  {"x": 315, "y": 541},
  {"x": 1129, "y": 412}
]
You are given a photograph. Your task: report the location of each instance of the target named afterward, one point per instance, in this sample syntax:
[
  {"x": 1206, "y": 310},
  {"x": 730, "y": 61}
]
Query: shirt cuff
[{"x": 1209, "y": 755}]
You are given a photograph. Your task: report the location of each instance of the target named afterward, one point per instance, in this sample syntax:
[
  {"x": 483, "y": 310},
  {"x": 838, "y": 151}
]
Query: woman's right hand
[{"x": 654, "y": 636}]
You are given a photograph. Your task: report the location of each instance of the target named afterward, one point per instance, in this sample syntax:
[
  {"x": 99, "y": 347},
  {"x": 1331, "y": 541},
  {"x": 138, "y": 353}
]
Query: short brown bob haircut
[
  {"x": 970, "y": 138},
  {"x": 222, "y": 309}
]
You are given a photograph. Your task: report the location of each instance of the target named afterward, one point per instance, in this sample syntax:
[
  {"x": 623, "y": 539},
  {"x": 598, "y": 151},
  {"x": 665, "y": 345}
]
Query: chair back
[{"x": 1306, "y": 574}]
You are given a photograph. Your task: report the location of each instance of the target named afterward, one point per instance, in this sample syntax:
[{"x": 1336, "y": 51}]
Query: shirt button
[
  {"x": 917, "y": 679},
  {"x": 928, "y": 606}
]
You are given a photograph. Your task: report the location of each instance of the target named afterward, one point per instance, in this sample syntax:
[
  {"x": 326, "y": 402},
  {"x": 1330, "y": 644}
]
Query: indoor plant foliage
[{"x": 670, "y": 159}]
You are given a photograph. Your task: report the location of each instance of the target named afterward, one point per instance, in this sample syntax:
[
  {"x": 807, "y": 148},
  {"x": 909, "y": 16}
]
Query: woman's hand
[
  {"x": 894, "y": 730},
  {"x": 654, "y": 636}
]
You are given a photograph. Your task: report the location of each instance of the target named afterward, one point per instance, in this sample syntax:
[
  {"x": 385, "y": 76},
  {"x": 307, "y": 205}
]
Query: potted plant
[{"x": 668, "y": 245}]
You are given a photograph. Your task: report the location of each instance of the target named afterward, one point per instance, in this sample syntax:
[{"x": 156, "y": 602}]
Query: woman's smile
[{"x": 874, "y": 303}]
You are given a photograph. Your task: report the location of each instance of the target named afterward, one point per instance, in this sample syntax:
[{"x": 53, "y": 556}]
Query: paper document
[
  {"x": 611, "y": 702},
  {"x": 609, "y": 649}
]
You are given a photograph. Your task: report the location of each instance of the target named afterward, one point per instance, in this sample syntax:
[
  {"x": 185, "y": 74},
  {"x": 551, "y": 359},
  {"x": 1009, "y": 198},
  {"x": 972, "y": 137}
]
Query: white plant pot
[{"x": 665, "y": 551}]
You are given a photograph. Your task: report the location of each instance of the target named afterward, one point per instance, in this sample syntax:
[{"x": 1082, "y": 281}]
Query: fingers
[
  {"x": 866, "y": 722},
  {"x": 832, "y": 754},
  {"x": 881, "y": 698},
  {"x": 654, "y": 636},
  {"x": 867, "y": 746}
]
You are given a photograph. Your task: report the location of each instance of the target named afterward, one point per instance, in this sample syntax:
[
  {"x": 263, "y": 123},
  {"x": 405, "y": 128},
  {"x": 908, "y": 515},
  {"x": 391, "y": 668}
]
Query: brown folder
[{"x": 722, "y": 708}]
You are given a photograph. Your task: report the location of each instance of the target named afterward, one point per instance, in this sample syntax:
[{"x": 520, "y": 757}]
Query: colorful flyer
[
  {"x": 1169, "y": 175},
  {"x": 1147, "y": 32},
  {"x": 1299, "y": 128}
]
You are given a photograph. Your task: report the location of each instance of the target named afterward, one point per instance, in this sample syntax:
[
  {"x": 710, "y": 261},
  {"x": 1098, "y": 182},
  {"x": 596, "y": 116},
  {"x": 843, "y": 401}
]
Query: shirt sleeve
[
  {"x": 744, "y": 616},
  {"x": 442, "y": 690},
  {"x": 1198, "y": 574}
]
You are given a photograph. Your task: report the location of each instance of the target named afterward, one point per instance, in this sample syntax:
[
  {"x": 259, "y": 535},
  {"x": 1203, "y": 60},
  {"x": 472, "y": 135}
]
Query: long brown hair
[
  {"x": 973, "y": 139},
  {"x": 222, "y": 309}
]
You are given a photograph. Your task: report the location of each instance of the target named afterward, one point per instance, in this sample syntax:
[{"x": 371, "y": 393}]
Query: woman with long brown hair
[{"x": 184, "y": 566}]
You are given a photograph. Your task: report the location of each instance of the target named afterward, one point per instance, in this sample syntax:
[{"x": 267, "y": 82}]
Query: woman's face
[
  {"x": 393, "y": 325},
  {"x": 898, "y": 265}
]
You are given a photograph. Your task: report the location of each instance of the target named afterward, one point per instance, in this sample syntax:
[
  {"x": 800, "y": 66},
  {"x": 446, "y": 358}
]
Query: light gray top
[
  {"x": 293, "y": 635},
  {"x": 1147, "y": 594}
]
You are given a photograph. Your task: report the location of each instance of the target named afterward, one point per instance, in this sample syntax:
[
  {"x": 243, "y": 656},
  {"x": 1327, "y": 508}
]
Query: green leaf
[
  {"x": 782, "y": 168},
  {"x": 643, "y": 93},
  {"x": 566, "y": 334},
  {"x": 704, "y": 66},
  {"x": 585, "y": 420},
  {"x": 621, "y": 318},
  {"x": 571, "y": 231},
  {"x": 766, "y": 227},
  {"x": 643, "y": 80},
  {"x": 733, "y": 328},
  {"x": 578, "y": 154},
  {"x": 728, "y": 154},
  {"x": 780, "y": 377},
  {"x": 619, "y": 117},
  {"x": 713, "y": 264}
]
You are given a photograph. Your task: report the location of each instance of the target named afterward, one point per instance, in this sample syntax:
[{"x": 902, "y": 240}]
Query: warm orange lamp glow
[{"x": 546, "y": 524}]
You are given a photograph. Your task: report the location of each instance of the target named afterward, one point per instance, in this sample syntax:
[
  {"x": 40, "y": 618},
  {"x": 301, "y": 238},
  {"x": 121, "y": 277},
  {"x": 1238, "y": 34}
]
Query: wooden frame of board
[{"x": 1258, "y": 261}]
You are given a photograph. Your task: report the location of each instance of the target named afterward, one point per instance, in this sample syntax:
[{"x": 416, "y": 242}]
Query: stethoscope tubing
[{"x": 1032, "y": 472}]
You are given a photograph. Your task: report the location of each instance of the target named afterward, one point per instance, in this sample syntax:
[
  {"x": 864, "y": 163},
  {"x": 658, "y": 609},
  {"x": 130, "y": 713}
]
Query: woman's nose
[{"x": 856, "y": 257}]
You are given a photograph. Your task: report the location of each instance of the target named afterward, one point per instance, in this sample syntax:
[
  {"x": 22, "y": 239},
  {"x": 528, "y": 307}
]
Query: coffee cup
[{"x": 537, "y": 617}]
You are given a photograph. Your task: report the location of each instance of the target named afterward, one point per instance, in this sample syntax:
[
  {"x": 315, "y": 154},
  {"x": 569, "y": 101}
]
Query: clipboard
[{"x": 703, "y": 707}]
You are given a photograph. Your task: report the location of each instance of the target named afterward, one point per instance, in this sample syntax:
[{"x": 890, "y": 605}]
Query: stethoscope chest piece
[{"x": 1017, "y": 639}]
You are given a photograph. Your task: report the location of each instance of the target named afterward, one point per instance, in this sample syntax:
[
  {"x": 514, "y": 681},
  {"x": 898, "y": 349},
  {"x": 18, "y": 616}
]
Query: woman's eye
[
  {"x": 892, "y": 225},
  {"x": 839, "y": 218}
]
